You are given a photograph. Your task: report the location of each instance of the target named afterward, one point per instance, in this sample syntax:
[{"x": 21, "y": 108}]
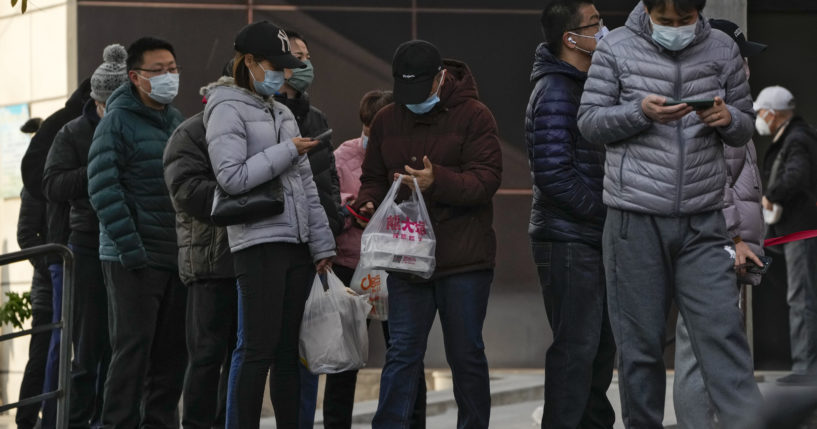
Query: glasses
[
  {"x": 174, "y": 70},
  {"x": 599, "y": 24}
]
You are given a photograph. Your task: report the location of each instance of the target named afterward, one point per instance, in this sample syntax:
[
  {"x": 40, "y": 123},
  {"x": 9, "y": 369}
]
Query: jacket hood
[
  {"x": 76, "y": 101},
  {"x": 125, "y": 98},
  {"x": 639, "y": 23},
  {"x": 544, "y": 63},
  {"x": 458, "y": 85},
  {"x": 225, "y": 89}
]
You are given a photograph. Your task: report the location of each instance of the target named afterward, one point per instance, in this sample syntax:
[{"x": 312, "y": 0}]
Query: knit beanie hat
[{"x": 111, "y": 74}]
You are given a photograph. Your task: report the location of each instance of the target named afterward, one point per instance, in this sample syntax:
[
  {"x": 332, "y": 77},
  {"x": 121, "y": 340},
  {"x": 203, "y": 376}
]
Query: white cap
[{"x": 774, "y": 98}]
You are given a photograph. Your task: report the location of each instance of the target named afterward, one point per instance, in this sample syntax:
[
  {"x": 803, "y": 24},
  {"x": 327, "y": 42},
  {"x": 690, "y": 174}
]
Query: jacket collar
[
  {"x": 544, "y": 62},
  {"x": 125, "y": 98}
]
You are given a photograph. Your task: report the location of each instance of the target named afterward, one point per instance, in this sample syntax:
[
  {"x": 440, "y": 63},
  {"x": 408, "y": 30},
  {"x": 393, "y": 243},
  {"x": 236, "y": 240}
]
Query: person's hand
[
  {"x": 304, "y": 144},
  {"x": 717, "y": 115},
  {"x": 323, "y": 266},
  {"x": 767, "y": 204},
  {"x": 743, "y": 254},
  {"x": 425, "y": 177},
  {"x": 366, "y": 210},
  {"x": 653, "y": 107}
]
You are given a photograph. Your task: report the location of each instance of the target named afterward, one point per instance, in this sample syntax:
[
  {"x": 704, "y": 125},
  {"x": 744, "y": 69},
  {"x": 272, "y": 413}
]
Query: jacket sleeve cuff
[{"x": 323, "y": 255}]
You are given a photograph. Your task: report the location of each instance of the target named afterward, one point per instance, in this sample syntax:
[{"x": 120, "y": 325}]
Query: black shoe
[{"x": 795, "y": 379}]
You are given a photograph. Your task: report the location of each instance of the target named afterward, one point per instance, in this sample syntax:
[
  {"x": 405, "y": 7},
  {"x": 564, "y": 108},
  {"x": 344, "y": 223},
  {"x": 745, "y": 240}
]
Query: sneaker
[{"x": 795, "y": 379}]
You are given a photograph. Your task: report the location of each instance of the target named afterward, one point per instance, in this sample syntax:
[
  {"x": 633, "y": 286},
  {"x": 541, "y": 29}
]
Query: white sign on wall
[{"x": 13, "y": 145}]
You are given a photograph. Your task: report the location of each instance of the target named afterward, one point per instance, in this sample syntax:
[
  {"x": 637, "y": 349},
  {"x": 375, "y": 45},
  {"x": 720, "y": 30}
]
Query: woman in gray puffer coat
[{"x": 252, "y": 140}]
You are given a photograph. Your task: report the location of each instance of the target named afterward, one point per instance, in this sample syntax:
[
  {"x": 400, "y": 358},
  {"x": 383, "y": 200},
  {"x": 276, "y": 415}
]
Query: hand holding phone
[{"x": 700, "y": 104}]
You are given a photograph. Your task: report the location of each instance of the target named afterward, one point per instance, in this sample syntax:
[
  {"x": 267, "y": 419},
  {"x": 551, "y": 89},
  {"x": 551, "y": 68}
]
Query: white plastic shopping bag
[
  {"x": 334, "y": 337},
  {"x": 399, "y": 237},
  {"x": 371, "y": 283}
]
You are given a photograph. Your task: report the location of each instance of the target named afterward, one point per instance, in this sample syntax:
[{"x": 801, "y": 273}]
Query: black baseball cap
[
  {"x": 266, "y": 40},
  {"x": 747, "y": 48},
  {"x": 414, "y": 66}
]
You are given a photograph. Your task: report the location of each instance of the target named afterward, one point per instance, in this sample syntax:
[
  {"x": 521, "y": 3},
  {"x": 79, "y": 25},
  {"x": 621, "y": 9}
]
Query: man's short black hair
[
  {"x": 138, "y": 48},
  {"x": 558, "y": 17},
  {"x": 680, "y": 5},
  {"x": 296, "y": 35}
]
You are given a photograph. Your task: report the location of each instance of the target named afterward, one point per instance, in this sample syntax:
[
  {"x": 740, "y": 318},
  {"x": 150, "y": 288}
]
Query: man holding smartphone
[{"x": 665, "y": 237}]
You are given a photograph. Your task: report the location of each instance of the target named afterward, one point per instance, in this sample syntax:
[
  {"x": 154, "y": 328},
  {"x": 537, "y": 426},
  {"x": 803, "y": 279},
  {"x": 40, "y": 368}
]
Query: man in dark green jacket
[{"x": 137, "y": 243}]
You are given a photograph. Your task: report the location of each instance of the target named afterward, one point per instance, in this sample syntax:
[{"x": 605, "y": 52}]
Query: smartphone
[
  {"x": 695, "y": 104},
  {"x": 754, "y": 269},
  {"x": 323, "y": 135}
]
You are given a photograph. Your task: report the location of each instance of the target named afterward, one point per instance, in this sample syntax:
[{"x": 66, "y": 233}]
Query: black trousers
[
  {"x": 92, "y": 348},
  {"x": 211, "y": 335},
  {"x": 146, "y": 320},
  {"x": 339, "y": 392},
  {"x": 579, "y": 363},
  {"x": 274, "y": 280},
  {"x": 34, "y": 373}
]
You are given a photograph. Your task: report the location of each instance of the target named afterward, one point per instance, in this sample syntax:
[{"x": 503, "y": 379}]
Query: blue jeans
[
  {"x": 52, "y": 365},
  {"x": 579, "y": 363},
  {"x": 462, "y": 300}
]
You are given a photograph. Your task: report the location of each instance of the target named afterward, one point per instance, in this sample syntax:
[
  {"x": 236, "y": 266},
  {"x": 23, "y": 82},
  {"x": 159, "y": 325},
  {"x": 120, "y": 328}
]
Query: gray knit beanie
[{"x": 111, "y": 74}]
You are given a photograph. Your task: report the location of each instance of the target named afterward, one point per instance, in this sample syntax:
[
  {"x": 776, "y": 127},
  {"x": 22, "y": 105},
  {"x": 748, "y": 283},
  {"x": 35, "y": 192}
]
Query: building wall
[{"x": 37, "y": 73}]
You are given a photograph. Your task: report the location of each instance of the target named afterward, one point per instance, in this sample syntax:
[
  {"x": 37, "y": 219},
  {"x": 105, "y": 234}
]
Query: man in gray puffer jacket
[{"x": 665, "y": 235}]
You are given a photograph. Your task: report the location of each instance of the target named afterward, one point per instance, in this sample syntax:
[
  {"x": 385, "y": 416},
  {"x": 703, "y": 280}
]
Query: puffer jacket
[
  {"x": 204, "y": 252},
  {"x": 742, "y": 194},
  {"x": 673, "y": 169},
  {"x": 349, "y": 160},
  {"x": 242, "y": 132},
  {"x": 459, "y": 136},
  {"x": 126, "y": 183},
  {"x": 32, "y": 231},
  {"x": 566, "y": 169},
  {"x": 312, "y": 122},
  {"x": 793, "y": 184},
  {"x": 66, "y": 176}
]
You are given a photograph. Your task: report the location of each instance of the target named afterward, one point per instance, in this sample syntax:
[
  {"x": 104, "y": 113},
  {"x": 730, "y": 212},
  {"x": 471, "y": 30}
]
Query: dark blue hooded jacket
[{"x": 567, "y": 170}]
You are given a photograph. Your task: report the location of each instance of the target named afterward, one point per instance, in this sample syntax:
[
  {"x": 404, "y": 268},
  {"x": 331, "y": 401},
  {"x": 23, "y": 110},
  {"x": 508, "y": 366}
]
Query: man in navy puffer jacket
[{"x": 567, "y": 219}]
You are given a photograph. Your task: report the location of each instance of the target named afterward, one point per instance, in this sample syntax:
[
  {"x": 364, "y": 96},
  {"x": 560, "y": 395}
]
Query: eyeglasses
[
  {"x": 599, "y": 24},
  {"x": 173, "y": 70}
]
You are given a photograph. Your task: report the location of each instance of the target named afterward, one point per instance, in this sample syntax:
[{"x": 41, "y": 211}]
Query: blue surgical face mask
[
  {"x": 426, "y": 106},
  {"x": 163, "y": 88},
  {"x": 365, "y": 140},
  {"x": 273, "y": 80},
  {"x": 673, "y": 38},
  {"x": 603, "y": 31}
]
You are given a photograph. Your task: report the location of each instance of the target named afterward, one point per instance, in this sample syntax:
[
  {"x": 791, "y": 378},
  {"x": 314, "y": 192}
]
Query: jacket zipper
[{"x": 679, "y": 130}]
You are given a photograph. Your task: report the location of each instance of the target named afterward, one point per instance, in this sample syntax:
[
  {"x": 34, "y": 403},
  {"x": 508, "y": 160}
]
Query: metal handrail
[{"x": 63, "y": 392}]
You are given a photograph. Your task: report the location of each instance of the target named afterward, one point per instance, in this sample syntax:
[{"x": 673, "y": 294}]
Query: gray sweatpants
[{"x": 651, "y": 260}]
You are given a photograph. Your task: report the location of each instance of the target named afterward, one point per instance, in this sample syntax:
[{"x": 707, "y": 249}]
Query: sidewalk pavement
[{"x": 514, "y": 397}]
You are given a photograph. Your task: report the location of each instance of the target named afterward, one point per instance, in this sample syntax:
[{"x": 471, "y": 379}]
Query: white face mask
[
  {"x": 673, "y": 38},
  {"x": 762, "y": 126}
]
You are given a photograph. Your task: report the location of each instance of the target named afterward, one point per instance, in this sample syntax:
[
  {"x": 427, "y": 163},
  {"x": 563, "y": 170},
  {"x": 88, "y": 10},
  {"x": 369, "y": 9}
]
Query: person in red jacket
[{"x": 439, "y": 133}]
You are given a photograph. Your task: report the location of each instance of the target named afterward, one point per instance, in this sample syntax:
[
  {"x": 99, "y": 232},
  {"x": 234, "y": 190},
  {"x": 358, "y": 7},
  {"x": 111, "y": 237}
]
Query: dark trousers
[
  {"x": 92, "y": 348},
  {"x": 211, "y": 332},
  {"x": 462, "y": 301},
  {"x": 579, "y": 363},
  {"x": 801, "y": 271},
  {"x": 146, "y": 324},
  {"x": 34, "y": 373},
  {"x": 651, "y": 260},
  {"x": 52, "y": 365},
  {"x": 339, "y": 392},
  {"x": 274, "y": 280}
]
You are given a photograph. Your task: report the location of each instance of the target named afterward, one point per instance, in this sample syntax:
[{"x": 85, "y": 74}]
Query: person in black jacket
[
  {"x": 790, "y": 205},
  {"x": 31, "y": 231},
  {"x": 567, "y": 219},
  {"x": 32, "y": 166},
  {"x": 311, "y": 123},
  {"x": 206, "y": 267},
  {"x": 66, "y": 181}
]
